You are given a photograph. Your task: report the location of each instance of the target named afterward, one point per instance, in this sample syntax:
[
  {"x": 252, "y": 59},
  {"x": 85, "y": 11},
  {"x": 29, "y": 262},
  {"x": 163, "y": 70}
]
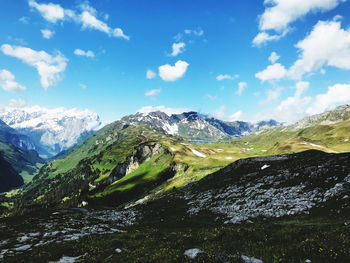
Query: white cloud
[
  {"x": 199, "y": 32},
  {"x": 90, "y": 21},
  {"x": 51, "y": 12},
  {"x": 272, "y": 72},
  {"x": 178, "y": 48},
  {"x": 118, "y": 32},
  {"x": 219, "y": 113},
  {"x": 8, "y": 82},
  {"x": 298, "y": 106},
  {"x": 339, "y": 93},
  {"x": 211, "y": 97},
  {"x": 293, "y": 108},
  {"x": 153, "y": 92},
  {"x": 83, "y": 86},
  {"x": 24, "y": 20},
  {"x": 279, "y": 14},
  {"x": 264, "y": 37},
  {"x": 47, "y": 33},
  {"x": 272, "y": 95},
  {"x": 274, "y": 57},
  {"x": 49, "y": 67},
  {"x": 236, "y": 116},
  {"x": 20, "y": 103},
  {"x": 226, "y": 76},
  {"x": 87, "y": 18},
  {"x": 80, "y": 52},
  {"x": 150, "y": 74},
  {"x": 168, "y": 111},
  {"x": 173, "y": 73},
  {"x": 241, "y": 87},
  {"x": 327, "y": 44}
]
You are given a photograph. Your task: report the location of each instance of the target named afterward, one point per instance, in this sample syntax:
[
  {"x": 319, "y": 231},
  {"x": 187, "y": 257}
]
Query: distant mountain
[
  {"x": 341, "y": 113},
  {"x": 9, "y": 135},
  {"x": 195, "y": 126},
  {"x": 52, "y": 130}
]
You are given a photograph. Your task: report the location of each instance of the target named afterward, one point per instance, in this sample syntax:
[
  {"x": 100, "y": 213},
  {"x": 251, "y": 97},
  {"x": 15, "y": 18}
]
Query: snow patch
[
  {"x": 192, "y": 253},
  {"x": 198, "y": 153},
  {"x": 265, "y": 166}
]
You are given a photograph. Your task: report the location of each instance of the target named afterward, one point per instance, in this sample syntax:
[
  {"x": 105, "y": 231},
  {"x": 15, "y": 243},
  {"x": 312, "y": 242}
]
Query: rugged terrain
[
  {"x": 280, "y": 195},
  {"x": 285, "y": 208},
  {"x": 195, "y": 126},
  {"x": 51, "y": 130}
]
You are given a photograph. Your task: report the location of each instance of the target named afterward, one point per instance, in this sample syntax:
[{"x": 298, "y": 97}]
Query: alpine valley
[{"x": 186, "y": 187}]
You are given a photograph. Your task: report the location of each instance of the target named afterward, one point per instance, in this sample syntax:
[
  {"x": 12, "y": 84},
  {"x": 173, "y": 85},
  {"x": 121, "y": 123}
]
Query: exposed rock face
[
  {"x": 142, "y": 153},
  {"x": 290, "y": 185}
]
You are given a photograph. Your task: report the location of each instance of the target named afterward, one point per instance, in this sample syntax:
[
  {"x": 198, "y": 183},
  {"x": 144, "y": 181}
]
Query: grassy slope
[
  {"x": 100, "y": 153},
  {"x": 23, "y": 162}
]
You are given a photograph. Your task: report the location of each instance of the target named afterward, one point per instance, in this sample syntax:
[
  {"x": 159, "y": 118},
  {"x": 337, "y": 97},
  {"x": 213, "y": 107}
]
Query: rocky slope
[
  {"x": 285, "y": 208},
  {"x": 52, "y": 130},
  {"x": 196, "y": 126},
  {"x": 341, "y": 113}
]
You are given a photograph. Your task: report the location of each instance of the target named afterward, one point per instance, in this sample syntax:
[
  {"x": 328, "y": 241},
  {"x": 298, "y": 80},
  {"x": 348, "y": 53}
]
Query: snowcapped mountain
[
  {"x": 195, "y": 126},
  {"x": 11, "y": 136},
  {"x": 52, "y": 130}
]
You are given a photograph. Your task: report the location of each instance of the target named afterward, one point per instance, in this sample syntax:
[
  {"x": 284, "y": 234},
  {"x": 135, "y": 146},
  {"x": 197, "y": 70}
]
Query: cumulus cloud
[
  {"x": 327, "y": 44},
  {"x": 178, "y": 48},
  {"x": 150, "y": 74},
  {"x": 80, "y": 52},
  {"x": 274, "y": 57},
  {"x": 272, "y": 72},
  {"x": 168, "y": 111},
  {"x": 49, "y": 67},
  {"x": 8, "y": 82},
  {"x": 86, "y": 17},
  {"x": 226, "y": 76},
  {"x": 241, "y": 87},
  {"x": 339, "y": 93},
  {"x": 153, "y": 92},
  {"x": 279, "y": 14},
  {"x": 173, "y": 73},
  {"x": 47, "y": 33},
  {"x": 51, "y": 12},
  {"x": 236, "y": 116},
  {"x": 293, "y": 108}
]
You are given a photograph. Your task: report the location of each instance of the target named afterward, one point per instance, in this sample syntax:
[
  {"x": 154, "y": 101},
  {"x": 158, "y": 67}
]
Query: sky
[{"x": 234, "y": 60}]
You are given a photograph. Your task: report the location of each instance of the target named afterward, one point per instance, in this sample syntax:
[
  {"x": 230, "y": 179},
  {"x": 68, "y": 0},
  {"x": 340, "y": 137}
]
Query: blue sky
[{"x": 219, "y": 65}]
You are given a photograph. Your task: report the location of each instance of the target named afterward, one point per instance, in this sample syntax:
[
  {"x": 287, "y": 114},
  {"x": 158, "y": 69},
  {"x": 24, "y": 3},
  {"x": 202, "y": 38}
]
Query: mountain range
[
  {"x": 195, "y": 126},
  {"x": 50, "y": 130},
  {"x": 146, "y": 177}
]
